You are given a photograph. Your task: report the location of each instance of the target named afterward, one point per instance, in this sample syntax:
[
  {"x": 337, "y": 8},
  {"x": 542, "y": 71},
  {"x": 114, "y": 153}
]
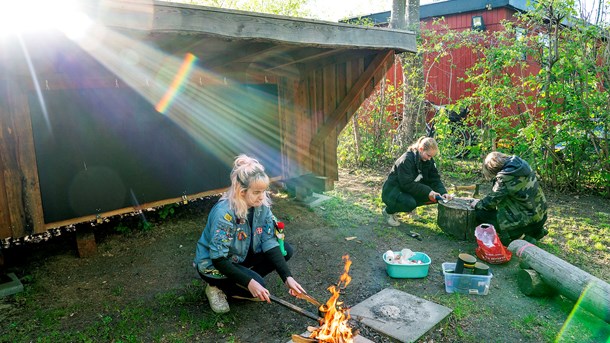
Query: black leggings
[
  {"x": 256, "y": 266},
  {"x": 405, "y": 202}
]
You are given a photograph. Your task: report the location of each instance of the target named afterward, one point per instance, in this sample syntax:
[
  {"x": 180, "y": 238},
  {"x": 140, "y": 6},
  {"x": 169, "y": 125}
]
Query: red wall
[{"x": 443, "y": 80}]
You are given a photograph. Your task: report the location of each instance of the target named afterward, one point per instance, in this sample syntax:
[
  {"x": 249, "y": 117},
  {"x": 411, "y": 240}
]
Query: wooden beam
[
  {"x": 350, "y": 99},
  {"x": 5, "y": 163},
  {"x": 246, "y": 54},
  {"x": 308, "y": 57},
  {"x": 347, "y": 56},
  {"x": 22, "y": 195},
  {"x": 142, "y": 207}
]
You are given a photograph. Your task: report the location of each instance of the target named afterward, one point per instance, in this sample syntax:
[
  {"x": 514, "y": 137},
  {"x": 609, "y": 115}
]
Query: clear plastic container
[{"x": 465, "y": 283}]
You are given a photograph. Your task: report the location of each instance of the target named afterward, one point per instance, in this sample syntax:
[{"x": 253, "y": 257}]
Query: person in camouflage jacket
[{"x": 516, "y": 205}]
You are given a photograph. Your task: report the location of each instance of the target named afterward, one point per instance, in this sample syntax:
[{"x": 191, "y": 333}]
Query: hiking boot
[
  {"x": 217, "y": 299},
  {"x": 543, "y": 232},
  {"x": 392, "y": 219}
]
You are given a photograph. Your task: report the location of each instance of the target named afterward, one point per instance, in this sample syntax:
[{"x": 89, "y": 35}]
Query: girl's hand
[
  {"x": 447, "y": 196},
  {"x": 474, "y": 203},
  {"x": 432, "y": 196},
  {"x": 258, "y": 291},
  {"x": 293, "y": 287}
]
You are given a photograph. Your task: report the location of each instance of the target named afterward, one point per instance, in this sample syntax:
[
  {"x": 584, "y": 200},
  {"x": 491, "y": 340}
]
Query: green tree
[
  {"x": 557, "y": 117},
  {"x": 294, "y": 8}
]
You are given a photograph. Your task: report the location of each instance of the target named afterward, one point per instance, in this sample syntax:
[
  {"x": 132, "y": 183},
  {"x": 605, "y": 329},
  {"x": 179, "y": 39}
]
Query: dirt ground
[{"x": 143, "y": 267}]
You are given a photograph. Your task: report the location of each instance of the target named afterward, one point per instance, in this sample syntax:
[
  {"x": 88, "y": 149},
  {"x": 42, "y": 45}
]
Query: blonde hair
[
  {"x": 493, "y": 164},
  {"x": 428, "y": 144},
  {"x": 246, "y": 172}
]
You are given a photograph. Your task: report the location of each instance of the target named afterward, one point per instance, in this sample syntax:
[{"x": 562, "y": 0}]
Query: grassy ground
[{"x": 140, "y": 286}]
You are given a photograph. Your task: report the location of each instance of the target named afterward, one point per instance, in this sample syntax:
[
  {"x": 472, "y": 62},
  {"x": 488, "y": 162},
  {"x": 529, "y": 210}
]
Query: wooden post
[
  {"x": 592, "y": 293},
  {"x": 85, "y": 243},
  {"x": 457, "y": 218}
]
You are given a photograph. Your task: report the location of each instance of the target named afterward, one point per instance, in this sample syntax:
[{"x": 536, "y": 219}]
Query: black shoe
[{"x": 543, "y": 232}]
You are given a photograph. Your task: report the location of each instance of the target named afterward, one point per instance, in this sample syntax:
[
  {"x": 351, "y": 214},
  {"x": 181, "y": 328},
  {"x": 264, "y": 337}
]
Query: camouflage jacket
[{"x": 516, "y": 195}]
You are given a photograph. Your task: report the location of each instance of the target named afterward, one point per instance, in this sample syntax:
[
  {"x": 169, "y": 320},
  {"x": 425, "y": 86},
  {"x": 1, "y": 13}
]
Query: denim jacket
[{"x": 225, "y": 235}]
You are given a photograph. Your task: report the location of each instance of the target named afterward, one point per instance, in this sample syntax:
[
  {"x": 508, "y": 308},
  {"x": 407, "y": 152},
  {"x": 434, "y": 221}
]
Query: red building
[{"x": 443, "y": 76}]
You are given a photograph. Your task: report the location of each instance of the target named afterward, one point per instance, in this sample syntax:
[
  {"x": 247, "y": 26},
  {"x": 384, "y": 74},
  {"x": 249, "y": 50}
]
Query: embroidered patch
[
  {"x": 228, "y": 217},
  {"x": 259, "y": 230}
]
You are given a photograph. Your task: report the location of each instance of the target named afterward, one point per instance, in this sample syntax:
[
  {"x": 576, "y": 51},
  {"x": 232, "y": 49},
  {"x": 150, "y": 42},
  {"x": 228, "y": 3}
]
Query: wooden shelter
[{"x": 149, "y": 102}]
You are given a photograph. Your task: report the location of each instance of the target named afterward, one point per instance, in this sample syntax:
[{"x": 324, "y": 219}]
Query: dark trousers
[
  {"x": 405, "y": 202},
  {"x": 491, "y": 217},
  {"x": 256, "y": 266}
]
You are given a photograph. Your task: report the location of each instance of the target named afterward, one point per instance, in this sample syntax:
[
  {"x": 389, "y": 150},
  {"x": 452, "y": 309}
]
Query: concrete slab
[
  {"x": 399, "y": 315},
  {"x": 12, "y": 286},
  {"x": 357, "y": 338},
  {"x": 316, "y": 199}
]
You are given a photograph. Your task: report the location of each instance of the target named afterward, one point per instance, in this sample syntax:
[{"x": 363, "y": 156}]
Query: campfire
[{"x": 334, "y": 326}]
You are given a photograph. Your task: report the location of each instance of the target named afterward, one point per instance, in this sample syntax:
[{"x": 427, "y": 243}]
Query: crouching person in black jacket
[{"x": 414, "y": 181}]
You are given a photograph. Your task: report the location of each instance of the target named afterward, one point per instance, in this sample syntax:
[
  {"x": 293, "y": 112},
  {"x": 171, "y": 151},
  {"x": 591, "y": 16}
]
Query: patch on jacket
[{"x": 228, "y": 217}]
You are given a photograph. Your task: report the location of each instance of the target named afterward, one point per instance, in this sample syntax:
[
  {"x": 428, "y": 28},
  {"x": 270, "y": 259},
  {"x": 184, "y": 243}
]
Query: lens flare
[{"x": 177, "y": 83}]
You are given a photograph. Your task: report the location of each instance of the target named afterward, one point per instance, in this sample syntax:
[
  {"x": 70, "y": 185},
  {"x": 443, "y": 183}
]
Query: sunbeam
[
  {"x": 224, "y": 117},
  {"x": 218, "y": 113}
]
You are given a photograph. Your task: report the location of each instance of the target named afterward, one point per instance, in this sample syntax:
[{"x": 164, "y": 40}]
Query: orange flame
[{"x": 334, "y": 328}]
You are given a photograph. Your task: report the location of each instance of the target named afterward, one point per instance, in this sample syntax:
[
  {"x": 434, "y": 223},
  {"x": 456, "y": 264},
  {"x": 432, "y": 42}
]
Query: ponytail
[{"x": 426, "y": 143}]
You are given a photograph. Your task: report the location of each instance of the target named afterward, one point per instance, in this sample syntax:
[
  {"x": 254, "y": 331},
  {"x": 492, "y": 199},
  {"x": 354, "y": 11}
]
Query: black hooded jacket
[{"x": 405, "y": 172}]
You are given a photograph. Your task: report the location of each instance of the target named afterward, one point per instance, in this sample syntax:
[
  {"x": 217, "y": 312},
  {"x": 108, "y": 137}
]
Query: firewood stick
[
  {"x": 308, "y": 298},
  {"x": 291, "y": 307},
  {"x": 294, "y": 308},
  {"x": 301, "y": 339}
]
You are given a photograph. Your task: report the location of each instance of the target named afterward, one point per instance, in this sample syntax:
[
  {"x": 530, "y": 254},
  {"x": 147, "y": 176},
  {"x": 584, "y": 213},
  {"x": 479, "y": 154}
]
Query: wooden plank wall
[{"x": 315, "y": 98}]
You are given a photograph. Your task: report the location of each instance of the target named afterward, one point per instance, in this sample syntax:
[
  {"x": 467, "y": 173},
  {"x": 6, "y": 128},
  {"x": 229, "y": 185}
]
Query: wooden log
[
  {"x": 592, "y": 293},
  {"x": 531, "y": 284},
  {"x": 457, "y": 218}
]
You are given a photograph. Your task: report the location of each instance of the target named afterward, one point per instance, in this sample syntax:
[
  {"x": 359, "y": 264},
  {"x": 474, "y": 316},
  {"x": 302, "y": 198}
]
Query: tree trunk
[
  {"x": 397, "y": 19},
  {"x": 411, "y": 98},
  {"x": 356, "y": 130},
  {"x": 457, "y": 218},
  {"x": 412, "y": 15},
  {"x": 576, "y": 284}
]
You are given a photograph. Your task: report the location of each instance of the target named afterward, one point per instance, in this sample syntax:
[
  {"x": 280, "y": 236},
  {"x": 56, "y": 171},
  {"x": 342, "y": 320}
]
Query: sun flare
[{"x": 18, "y": 17}]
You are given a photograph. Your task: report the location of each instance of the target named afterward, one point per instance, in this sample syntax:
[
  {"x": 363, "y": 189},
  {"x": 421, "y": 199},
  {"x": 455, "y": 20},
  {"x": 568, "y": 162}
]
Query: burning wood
[{"x": 334, "y": 327}]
